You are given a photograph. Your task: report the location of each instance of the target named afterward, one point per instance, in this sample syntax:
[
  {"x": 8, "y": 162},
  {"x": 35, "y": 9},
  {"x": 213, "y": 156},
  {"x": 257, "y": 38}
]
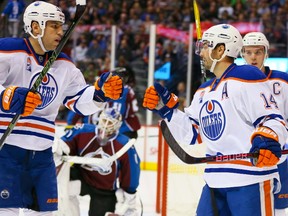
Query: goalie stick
[
  {"x": 80, "y": 9},
  {"x": 99, "y": 161},
  {"x": 188, "y": 159}
]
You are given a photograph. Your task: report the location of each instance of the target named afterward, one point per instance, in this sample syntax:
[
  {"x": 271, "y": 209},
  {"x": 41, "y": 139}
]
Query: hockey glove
[
  {"x": 126, "y": 203},
  {"x": 158, "y": 98},
  {"x": 265, "y": 142},
  {"x": 19, "y": 100},
  {"x": 108, "y": 86},
  {"x": 59, "y": 148}
]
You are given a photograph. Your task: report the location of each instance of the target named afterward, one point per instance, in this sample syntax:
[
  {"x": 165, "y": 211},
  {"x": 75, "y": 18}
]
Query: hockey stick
[
  {"x": 99, "y": 161},
  {"x": 80, "y": 9},
  {"x": 188, "y": 159},
  {"x": 199, "y": 36}
]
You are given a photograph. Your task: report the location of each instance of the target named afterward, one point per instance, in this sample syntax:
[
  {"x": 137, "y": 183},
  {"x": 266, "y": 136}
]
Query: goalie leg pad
[{"x": 74, "y": 187}]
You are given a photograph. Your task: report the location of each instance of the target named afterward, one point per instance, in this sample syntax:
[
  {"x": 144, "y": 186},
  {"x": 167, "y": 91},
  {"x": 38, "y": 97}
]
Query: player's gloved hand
[
  {"x": 108, "y": 86},
  {"x": 159, "y": 99},
  {"x": 126, "y": 203},
  {"x": 59, "y": 148},
  {"x": 19, "y": 100},
  {"x": 265, "y": 142}
]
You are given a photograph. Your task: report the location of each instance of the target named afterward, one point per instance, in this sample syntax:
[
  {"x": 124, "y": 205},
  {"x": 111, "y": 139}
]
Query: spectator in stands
[
  {"x": 138, "y": 46},
  {"x": 94, "y": 51},
  {"x": 225, "y": 7},
  {"x": 134, "y": 22},
  {"x": 79, "y": 52},
  {"x": 124, "y": 50},
  {"x": 72, "y": 9},
  {"x": 101, "y": 10},
  {"x": 225, "y": 17},
  {"x": 211, "y": 14},
  {"x": 137, "y": 8},
  {"x": 274, "y": 5},
  {"x": 13, "y": 11},
  {"x": 112, "y": 12},
  {"x": 279, "y": 30},
  {"x": 239, "y": 8},
  {"x": 253, "y": 17},
  {"x": 263, "y": 7}
]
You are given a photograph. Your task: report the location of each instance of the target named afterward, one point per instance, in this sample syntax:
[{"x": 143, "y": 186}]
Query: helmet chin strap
[
  {"x": 39, "y": 38},
  {"x": 215, "y": 61}
]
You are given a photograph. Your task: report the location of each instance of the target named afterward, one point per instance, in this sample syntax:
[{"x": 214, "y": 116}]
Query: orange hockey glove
[
  {"x": 265, "y": 142},
  {"x": 19, "y": 100},
  {"x": 157, "y": 98},
  {"x": 108, "y": 86},
  {"x": 151, "y": 98}
]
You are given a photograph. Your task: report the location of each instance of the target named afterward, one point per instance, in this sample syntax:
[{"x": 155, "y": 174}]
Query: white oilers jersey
[
  {"x": 63, "y": 84},
  {"x": 224, "y": 113},
  {"x": 278, "y": 82},
  {"x": 279, "y": 87}
]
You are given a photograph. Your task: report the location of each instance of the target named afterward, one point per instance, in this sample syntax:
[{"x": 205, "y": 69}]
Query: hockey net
[{"x": 178, "y": 185}]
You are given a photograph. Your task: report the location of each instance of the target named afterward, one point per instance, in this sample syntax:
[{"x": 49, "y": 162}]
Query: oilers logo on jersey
[
  {"x": 48, "y": 89},
  {"x": 212, "y": 119}
]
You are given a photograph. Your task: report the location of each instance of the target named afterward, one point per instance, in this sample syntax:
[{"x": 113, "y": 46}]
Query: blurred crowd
[{"x": 90, "y": 48}]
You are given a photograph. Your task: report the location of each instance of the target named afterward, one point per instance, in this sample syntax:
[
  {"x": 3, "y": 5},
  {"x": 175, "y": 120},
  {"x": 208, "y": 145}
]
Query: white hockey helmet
[
  {"x": 110, "y": 121},
  {"x": 256, "y": 39},
  {"x": 41, "y": 12},
  {"x": 224, "y": 34}
]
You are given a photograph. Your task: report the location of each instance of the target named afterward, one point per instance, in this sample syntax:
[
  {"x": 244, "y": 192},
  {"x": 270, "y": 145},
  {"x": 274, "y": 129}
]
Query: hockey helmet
[
  {"x": 223, "y": 34},
  {"x": 256, "y": 39},
  {"x": 110, "y": 121},
  {"x": 41, "y": 12}
]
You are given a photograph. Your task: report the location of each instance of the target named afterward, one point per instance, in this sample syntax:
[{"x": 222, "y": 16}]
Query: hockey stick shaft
[
  {"x": 80, "y": 9},
  {"x": 199, "y": 36},
  {"x": 187, "y": 158},
  {"x": 95, "y": 161}
]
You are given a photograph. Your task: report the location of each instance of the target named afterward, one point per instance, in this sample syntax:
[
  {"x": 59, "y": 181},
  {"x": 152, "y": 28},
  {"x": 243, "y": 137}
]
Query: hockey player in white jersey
[
  {"x": 27, "y": 169},
  {"x": 255, "y": 51},
  {"x": 231, "y": 115}
]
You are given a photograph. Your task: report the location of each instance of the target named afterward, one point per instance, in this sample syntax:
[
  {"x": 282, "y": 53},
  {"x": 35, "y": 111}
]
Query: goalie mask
[
  {"x": 41, "y": 12},
  {"x": 221, "y": 34},
  {"x": 110, "y": 121}
]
